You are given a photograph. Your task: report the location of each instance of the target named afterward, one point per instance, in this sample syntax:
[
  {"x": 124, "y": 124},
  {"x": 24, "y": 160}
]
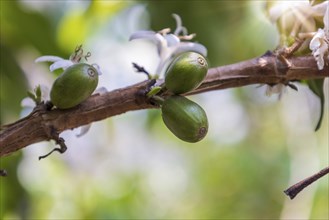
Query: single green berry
[
  {"x": 184, "y": 118},
  {"x": 74, "y": 85},
  {"x": 186, "y": 72}
]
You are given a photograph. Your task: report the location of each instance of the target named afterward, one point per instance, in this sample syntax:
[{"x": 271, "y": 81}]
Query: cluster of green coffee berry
[{"x": 183, "y": 117}]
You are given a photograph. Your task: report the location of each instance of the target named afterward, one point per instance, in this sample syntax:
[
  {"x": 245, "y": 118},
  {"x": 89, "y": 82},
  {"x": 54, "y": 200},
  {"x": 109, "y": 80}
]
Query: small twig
[
  {"x": 87, "y": 56},
  {"x": 292, "y": 86},
  {"x": 141, "y": 69},
  {"x": 298, "y": 187},
  {"x": 60, "y": 141},
  {"x": 289, "y": 51},
  {"x": 284, "y": 53}
]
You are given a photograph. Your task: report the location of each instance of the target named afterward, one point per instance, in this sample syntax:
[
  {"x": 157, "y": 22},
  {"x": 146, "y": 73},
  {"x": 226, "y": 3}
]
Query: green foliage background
[{"x": 131, "y": 166}]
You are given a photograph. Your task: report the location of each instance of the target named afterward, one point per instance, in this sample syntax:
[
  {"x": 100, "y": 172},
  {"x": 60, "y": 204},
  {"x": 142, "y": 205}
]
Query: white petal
[
  {"x": 99, "y": 72},
  {"x": 161, "y": 43},
  {"x": 157, "y": 38},
  {"x": 168, "y": 53},
  {"x": 319, "y": 48},
  {"x": 61, "y": 64},
  {"x": 142, "y": 34},
  {"x": 160, "y": 67},
  {"x": 320, "y": 63},
  {"x": 48, "y": 58},
  {"x": 171, "y": 39},
  {"x": 83, "y": 130},
  {"x": 188, "y": 46},
  {"x": 268, "y": 91},
  {"x": 44, "y": 93},
  {"x": 320, "y": 9},
  {"x": 178, "y": 19},
  {"x": 179, "y": 25},
  {"x": 317, "y": 40},
  {"x": 25, "y": 111},
  {"x": 101, "y": 90},
  {"x": 27, "y": 102},
  {"x": 275, "y": 89},
  {"x": 319, "y": 55},
  {"x": 276, "y": 11},
  {"x": 315, "y": 44}
]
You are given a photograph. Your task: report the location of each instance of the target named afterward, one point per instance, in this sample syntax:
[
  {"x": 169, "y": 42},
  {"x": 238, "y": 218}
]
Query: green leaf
[
  {"x": 38, "y": 94},
  {"x": 155, "y": 90},
  {"x": 31, "y": 95},
  {"x": 316, "y": 86}
]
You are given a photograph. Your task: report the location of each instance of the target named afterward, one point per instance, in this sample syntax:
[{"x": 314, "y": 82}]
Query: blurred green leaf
[
  {"x": 13, "y": 86},
  {"x": 14, "y": 201},
  {"x": 17, "y": 31},
  {"x": 316, "y": 86},
  {"x": 79, "y": 24}
]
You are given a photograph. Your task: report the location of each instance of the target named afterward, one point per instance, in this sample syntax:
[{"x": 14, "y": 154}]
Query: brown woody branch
[
  {"x": 42, "y": 124},
  {"x": 293, "y": 190}
]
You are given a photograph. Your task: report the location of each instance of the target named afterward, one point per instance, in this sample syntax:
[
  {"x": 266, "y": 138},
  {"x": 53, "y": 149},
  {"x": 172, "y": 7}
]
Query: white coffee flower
[
  {"x": 295, "y": 16},
  {"x": 169, "y": 45}
]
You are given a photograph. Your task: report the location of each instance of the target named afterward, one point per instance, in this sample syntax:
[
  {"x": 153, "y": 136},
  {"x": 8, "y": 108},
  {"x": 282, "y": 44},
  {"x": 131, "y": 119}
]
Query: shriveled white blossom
[
  {"x": 275, "y": 89},
  {"x": 320, "y": 47},
  {"x": 83, "y": 130},
  {"x": 170, "y": 44},
  {"x": 320, "y": 42},
  {"x": 61, "y": 63}
]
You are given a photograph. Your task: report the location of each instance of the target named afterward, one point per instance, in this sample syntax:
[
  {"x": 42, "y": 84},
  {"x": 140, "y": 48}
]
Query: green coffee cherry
[
  {"x": 74, "y": 85},
  {"x": 186, "y": 72},
  {"x": 184, "y": 118}
]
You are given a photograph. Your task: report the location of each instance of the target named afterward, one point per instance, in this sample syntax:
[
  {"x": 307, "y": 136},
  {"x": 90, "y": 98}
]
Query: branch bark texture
[{"x": 41, "y": 124}]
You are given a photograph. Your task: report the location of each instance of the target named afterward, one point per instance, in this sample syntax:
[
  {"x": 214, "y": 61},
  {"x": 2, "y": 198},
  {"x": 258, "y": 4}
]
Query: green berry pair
[{"x": 183, "y": 117}]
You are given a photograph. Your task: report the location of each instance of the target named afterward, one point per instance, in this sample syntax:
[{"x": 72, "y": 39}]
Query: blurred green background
[{"x": 131, "y": 166}]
